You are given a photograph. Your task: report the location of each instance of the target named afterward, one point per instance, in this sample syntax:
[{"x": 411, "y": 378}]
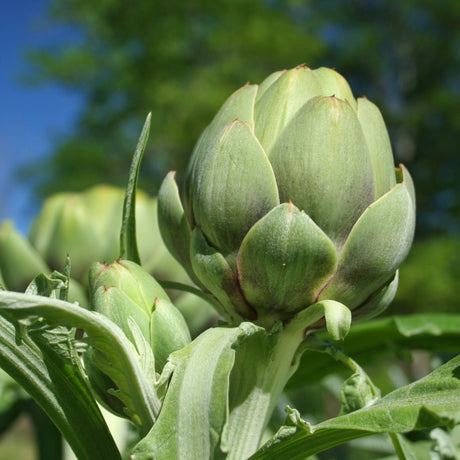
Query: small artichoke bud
[
  {"x": 123, "y": 290},
  {"x": 64, "y": 227},
  {"x": 130, "y": 279},
  {"x": 86, "y": 225},
  {"x": 291, "y": 197},
  {"x": 20, "y": 263}
]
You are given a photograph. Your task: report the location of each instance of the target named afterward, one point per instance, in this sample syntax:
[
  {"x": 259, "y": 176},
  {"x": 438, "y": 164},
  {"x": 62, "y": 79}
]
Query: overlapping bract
[{"x": 291, "y": 197}]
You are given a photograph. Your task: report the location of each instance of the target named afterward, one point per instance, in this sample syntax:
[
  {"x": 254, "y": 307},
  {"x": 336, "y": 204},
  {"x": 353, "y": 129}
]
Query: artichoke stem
[{"x": 272, "y": 370}]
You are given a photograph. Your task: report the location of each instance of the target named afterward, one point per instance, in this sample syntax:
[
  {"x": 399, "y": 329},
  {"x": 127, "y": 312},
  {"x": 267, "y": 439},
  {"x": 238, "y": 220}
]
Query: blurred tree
[
  {"x": 405, "y": 56},
  {"x": 429, "y": 278},
  {"x": 182, "y": 59},
  {"x": 178, "y": 59}
]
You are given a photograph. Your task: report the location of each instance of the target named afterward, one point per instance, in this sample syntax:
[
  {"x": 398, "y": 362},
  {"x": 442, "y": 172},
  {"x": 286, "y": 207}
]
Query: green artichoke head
[
  {"x": 125, "y": 293},
  {"x": 86, "y": 225},
  {"x": 291, "y": 197},
  {"x": 129, "y": 296}
]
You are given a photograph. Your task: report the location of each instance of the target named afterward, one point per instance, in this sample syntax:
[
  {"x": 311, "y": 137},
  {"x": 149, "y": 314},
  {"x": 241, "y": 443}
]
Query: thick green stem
[
  {"x": 262, "y": 368},
  {"x": 261, "y": 373}
]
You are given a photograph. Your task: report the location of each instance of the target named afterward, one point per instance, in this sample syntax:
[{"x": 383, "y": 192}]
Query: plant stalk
[{"x": 260, "y": 375}]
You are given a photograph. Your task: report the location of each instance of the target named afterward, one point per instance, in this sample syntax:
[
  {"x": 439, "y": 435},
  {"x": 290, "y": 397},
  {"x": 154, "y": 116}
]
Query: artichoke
[
  {"x": 291, "y": 197},
  {"x": 124, "y": 292},
  {"x": 129, "y": 296},
  {"x": 86, "y": 225}
]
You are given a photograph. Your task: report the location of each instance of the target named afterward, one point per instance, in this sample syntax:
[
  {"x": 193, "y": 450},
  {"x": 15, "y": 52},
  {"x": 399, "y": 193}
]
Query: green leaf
[
  {"x": 116, "y": 354},
  {"x": 45, "y": 285},
  {"x": 403, "y": 447},
  {"x": 48, "y": 437},
  {"x": 337, "y": 318},
  {"x": 47, "y": 370},
  {"x": 356, "y": 392},
  {"x": 366, "y": 342},
  {"x": 426, "y": 403},
  {"x": 444, "y": 445},
  {"x": 128, "y": 241},
  {"x": 195, "y": 407},
  {"x": 264, "y": 362}
]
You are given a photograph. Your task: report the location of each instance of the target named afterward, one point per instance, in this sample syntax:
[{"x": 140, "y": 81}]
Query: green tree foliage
[
  {"x": 405, "y": 57},
  {"x": 180, "y": 60},
  {"x": 429, "y": 278}
]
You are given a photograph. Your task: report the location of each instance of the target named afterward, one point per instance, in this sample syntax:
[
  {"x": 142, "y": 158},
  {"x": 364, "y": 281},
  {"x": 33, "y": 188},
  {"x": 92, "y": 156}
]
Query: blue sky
[{"x": 30, "y": 117}]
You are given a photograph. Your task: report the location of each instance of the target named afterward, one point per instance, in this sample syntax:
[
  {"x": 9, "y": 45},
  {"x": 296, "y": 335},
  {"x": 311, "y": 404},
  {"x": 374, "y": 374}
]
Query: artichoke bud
[
  {"x": 86, "y": 225},
  {"x": 64, "y": 227},
  {"x": 291, "y": 198},
  {"x": 20, "y": 263},
  {"x": 124, "y": 290}
]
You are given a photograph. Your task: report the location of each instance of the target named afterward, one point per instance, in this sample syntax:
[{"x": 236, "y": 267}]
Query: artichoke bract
[{"x": 291, "y": 197}]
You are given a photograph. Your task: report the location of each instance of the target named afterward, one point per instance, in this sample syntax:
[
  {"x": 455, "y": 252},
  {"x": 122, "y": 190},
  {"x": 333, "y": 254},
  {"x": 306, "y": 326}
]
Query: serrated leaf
[
  {"x": 429, "y": 402},
  {"x": 195, "y": 407},
  {"x": 45, "y": 285},
  {"x": 48, "y": 374},
  {"x": 356, "y": 392},
  {"x": 122, "y": 362}
]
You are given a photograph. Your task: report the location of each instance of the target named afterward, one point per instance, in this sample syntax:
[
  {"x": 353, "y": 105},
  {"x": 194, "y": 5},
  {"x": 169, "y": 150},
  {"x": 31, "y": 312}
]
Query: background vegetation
[{"x": 181, "y": 60}]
